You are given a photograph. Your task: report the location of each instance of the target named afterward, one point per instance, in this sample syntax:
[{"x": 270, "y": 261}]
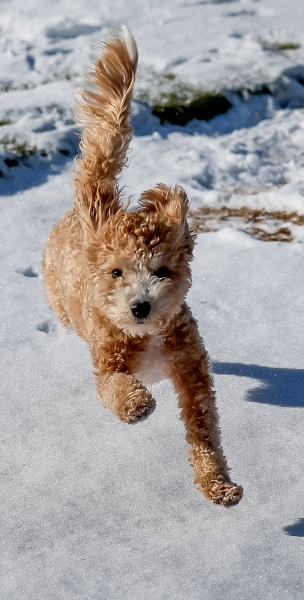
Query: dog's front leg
[
  {"x": 117, "y": 388},
  {"x": 125, "y": 396},
  {"x": 189, "y": 369}
]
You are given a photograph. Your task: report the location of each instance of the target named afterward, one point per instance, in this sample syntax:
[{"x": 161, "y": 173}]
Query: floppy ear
[{"x": 170, "y": 204}]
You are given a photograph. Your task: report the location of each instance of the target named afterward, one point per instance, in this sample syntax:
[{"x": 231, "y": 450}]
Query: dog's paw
[
  {"x": 136, "y": 406},
  {"x": 144, "y": 413},
  {"x": 226, "y": 494},
  {"x": 140, "y": 412}
]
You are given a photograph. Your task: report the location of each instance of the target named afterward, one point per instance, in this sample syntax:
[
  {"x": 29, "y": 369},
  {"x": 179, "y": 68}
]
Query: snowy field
[{"x": 91, "y": 508}]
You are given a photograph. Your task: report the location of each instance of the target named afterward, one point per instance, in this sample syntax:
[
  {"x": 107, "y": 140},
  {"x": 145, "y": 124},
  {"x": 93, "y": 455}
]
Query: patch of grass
[
  {"x": 20, "y": 149},
  {"x": 170, "y": 76},
  {"x": 70, "y": 76},
  {"x": 177, "y": 103},
  {"x": 183, "y": 103},
  {"x": 5, "y": 122},
  {"x": 260, "y": 90},
  {"x": 24, "y": 150},
  {"x": 279, "y": 46}
]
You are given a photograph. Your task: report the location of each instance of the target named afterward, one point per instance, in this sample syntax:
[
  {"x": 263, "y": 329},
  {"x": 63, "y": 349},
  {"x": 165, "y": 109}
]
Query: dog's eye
[
  {"x": 162, "y": 272},
  {"x": 116, "y": 273}
]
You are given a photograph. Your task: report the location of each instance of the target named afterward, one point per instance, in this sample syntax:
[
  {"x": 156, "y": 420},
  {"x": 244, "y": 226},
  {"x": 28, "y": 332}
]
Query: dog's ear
[{"x": 170, "y": 204}]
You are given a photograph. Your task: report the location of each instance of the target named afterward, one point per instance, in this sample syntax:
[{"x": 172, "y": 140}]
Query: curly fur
[{"x": 105, "y": 267}]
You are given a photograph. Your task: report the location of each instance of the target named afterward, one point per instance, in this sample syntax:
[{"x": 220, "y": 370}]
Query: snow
[{"x": 93, "y": 508}]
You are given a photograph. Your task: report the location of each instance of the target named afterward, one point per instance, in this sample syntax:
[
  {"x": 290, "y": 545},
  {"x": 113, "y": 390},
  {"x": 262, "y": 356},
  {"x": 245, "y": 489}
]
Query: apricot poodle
[{"x": 120, "y": 277}]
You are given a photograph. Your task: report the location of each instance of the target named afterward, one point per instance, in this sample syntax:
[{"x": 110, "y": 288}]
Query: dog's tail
[{"x": 105, "y": 113}]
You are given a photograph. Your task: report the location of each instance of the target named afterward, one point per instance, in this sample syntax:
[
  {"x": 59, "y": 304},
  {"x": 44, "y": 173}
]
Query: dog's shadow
[
  {"x": 281, "y": 387},
  {"x": 296, "y": 529}
]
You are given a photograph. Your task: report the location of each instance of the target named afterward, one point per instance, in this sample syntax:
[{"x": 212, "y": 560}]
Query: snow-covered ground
[{"x": 92, "y": 508}]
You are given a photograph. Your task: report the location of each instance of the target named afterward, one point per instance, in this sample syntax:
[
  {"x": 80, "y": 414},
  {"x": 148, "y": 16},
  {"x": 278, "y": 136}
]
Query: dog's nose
[{"x": 141, "y": 310}]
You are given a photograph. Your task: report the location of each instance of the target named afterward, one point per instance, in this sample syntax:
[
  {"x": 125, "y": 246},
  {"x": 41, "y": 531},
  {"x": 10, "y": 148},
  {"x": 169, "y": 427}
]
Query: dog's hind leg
[{"x": 51, "y": 282}]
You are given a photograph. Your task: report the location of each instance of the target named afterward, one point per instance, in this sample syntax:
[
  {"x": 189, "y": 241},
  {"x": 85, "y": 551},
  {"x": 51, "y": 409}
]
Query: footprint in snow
[
  {"x": 47, "y": 326},
  {"x": 29, "y": 272}
]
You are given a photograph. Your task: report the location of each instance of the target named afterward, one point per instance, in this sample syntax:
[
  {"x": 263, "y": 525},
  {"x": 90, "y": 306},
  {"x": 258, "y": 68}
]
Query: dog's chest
[{"x": 152, "y": 364}]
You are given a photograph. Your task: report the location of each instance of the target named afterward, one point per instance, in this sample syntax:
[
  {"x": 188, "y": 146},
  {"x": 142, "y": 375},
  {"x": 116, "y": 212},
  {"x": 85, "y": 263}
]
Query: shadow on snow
[
  {"x": 33, "y": 174},
  {"x": 296, "y": 530},
  {"x": 280, "y": 387}
]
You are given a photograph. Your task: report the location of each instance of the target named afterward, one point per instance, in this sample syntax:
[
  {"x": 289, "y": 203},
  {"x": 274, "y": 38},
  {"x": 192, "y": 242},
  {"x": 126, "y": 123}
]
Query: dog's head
[{"x": 138, "y": 262}]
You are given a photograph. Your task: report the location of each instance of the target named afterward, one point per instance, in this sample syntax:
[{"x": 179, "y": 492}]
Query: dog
[{"x": 119, "y": 277}]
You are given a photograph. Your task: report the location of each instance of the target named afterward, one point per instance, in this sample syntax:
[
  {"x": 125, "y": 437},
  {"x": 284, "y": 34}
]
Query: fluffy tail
[{"x": 105, "y": 114}]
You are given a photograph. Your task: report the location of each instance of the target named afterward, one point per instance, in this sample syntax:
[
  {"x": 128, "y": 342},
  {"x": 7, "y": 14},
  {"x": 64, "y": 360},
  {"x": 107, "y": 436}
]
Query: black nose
[{"x": 141, "y": 310}]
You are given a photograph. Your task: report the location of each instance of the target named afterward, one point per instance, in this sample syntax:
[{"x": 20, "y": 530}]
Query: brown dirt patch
[{"x": 265, "y": 225}]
